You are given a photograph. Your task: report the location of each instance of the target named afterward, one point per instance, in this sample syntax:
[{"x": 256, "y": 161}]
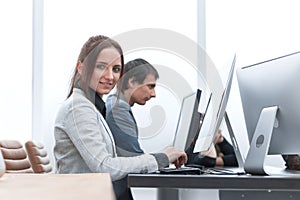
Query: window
[{"x": 16, "y": 73}]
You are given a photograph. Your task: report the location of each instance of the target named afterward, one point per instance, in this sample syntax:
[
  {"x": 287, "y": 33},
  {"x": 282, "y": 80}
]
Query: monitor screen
[
  {"x": 273, "y": 83},
  {"x": 189, "y": 121}
]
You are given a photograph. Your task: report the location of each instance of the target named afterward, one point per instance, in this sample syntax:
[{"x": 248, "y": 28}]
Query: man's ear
[
  {"x": 131, "y": 83},
  {"x": 79, "y": 67}
]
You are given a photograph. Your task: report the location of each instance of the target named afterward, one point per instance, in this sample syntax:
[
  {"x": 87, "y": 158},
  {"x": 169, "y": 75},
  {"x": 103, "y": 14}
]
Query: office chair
[
  {"x": 15, "y": 157},
  {"x": 2, "y": 165},
  {"x": 38, "y": 157}
]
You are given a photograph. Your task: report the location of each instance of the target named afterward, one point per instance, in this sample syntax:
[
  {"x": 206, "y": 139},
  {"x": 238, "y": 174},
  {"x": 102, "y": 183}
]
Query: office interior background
[{"x": 41, "y": 39}]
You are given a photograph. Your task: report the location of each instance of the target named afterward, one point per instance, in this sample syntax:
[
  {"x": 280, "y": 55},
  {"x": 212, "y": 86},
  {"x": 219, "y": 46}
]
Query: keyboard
[
  {"x": 219, "y": 170},
  {"x": 194, "y": 169},
  {"x": 181, "y": 170}
]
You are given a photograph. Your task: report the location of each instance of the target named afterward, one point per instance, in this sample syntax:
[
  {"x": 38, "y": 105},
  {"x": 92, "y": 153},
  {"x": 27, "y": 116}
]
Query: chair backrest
[
  {"x": 2, "y": 165},
  {"x": 15, "y": 157},
  {"x": 38, "y": 157}
]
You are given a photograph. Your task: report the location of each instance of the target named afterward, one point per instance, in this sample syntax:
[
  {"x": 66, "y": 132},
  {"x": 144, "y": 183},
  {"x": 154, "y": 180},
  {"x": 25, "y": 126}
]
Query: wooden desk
[{"x": 56, "y": 186}]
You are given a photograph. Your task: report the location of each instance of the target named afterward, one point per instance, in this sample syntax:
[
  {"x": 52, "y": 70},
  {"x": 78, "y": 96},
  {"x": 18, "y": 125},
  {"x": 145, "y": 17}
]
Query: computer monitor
[
  {"x": 215, "y": 114},
  {"x": 188, "y": 122},
  {"x": 271, "y": 104}
]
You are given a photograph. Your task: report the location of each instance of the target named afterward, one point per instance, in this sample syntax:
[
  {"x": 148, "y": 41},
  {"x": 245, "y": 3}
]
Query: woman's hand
[
  {"x": 211, "y": 152},
  {"x": 175, "y": 156},
  {"x": 219, "y": 137}
]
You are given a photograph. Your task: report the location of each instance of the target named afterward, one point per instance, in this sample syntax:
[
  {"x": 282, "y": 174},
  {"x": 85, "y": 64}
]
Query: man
[{"x": 136, "y": 86}]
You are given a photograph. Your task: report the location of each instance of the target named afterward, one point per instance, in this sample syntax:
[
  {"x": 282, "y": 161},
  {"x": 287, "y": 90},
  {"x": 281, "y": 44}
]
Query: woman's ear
[{"x": 79, "y": 67}]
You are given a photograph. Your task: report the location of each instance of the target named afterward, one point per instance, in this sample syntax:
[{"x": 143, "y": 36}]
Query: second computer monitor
[{"x": 215, "y": 113}]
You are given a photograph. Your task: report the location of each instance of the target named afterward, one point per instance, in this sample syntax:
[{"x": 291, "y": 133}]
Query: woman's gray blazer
[{"x": 84, "y": 143}]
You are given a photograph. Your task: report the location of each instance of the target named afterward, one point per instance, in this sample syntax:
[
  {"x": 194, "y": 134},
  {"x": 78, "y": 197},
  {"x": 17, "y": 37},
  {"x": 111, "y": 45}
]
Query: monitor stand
[
  {"x": 259, "y": 146},
  {"x": 238, "y": 155}
]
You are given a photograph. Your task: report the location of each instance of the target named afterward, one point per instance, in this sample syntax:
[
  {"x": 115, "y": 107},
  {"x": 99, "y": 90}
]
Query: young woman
[{"x": 83, "y": 140}]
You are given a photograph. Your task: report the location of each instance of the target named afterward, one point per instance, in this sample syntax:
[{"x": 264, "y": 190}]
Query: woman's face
[{"x": 107, "y": 71}]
